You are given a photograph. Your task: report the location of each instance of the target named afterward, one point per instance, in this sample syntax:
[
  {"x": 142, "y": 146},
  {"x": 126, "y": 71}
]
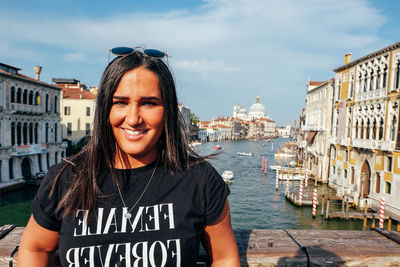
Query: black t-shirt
[{"x": 165, "y": 228}]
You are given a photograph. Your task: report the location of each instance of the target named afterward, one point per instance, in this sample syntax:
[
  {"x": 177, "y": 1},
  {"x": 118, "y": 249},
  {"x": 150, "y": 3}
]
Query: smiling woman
[{"x": 137, "y": 194}]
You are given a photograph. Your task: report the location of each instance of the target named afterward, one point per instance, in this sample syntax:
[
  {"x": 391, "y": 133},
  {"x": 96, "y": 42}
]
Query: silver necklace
[{"x": 128, "y": 215}]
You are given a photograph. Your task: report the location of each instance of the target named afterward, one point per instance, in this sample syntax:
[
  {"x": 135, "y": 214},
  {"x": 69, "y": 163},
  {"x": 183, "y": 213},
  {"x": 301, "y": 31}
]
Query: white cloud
[
  {"x": 75, "y": 57},
  {"x": 204, "y": 66}
]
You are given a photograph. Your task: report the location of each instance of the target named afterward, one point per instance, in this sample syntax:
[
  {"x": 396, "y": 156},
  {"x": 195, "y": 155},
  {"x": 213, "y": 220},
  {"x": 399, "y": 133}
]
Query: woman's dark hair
[{"x": 98, "y": 155}]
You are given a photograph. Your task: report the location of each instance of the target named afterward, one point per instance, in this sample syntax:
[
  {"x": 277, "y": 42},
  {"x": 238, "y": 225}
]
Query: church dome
[{"x": 257, "y": 110}]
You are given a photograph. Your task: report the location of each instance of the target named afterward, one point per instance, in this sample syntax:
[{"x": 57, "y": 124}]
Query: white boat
[
  {"x": 195, "y": 143},
  {"x": 227, "y": 176},
  {"x": 218, "y": 147},
  {"x": 245, "y": 154}
]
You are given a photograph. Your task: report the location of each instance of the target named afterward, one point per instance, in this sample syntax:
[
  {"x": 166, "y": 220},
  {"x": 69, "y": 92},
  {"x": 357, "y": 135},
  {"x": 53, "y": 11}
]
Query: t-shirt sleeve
[
  {"x": 43, "y": 206},
  {"x": 216, "y": 192}
]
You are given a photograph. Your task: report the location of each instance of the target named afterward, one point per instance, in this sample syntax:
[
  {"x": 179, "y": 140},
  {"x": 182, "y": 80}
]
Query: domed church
[{"x": 256, "y": 111}]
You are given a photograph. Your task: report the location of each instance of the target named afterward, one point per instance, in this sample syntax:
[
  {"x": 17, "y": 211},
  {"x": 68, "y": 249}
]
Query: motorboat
[
  {"x": 218, "y": 147},
  {"x": 227, "y": 176},
  {"x": 245, "y": 154}
]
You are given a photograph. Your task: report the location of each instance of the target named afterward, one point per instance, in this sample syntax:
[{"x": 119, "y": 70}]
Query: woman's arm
[
  {"x": 37, "y": 244},
  {"x": 220, "y": 242}
]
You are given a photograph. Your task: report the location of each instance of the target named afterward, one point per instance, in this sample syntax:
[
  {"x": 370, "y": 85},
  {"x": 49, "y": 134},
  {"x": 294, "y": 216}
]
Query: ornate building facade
[
  {"x": 316, "y": 128},
  {"x": 365, "y": 150},
  {"x": 29, "y": 125}
]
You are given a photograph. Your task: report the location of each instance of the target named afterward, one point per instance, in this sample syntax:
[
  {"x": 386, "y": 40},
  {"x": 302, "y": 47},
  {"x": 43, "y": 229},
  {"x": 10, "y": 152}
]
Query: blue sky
[{"x": 222, "y": 52}]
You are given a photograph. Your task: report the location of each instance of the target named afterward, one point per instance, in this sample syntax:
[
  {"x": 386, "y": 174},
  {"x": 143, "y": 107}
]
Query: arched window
[
  {"x": 30, "y": 133},
  {"x": 13, "y": 133},
  {"x": 37, "y": 99},
  {"x": 30, "y": 97},
  {"x": 48, "y": 160},
  {"x": 351, "y": 86},
  {"x": 362, "y": 130},
  {"x": 11, "y": 168},
  {"x": 47, "y": 103},
  {"x": 365, "y": 81},
  {"x": 56, "y": 157},
  {"x": 371, "y": 80},
  {"x": 55, "y": 104},
  {"x": 25, "y": 97},
  {"x": 357, "y": 130},
  {"x": 25, "y": 131},
  {"x": 374, "y": 130},
  {"x": 367, "y": 129},
  {"x": 19, "y": 133},
  {"x": 339, "y": 89},
  {"x": 47, "y": 132},
  {"x": 36, "y": 133},
  {"x": 19, "y": 95},
  {"x": 381, "y": 129},
  {"x": 12, "y": 94},
  {"x": 384, "y": 76},
  {"x": 55, "y": 132},
  {"x": 393, "y": 128}
]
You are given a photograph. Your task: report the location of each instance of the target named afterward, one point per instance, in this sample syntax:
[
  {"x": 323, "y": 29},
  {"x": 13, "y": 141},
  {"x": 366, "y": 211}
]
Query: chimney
[
  {"x": 347, "y": 58},
  {"x": 37, "y": 69}
]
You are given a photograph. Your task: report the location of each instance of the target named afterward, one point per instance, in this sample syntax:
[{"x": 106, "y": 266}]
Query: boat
[
  {"x": 245, "y": 154},
  {"x": 227, "y": 176},
  {"x": 284, "y": 155},
  {"x": 218, "y": 147},
  {"x": 295, "y": 177},
  {"x": 195, "y": 143}
]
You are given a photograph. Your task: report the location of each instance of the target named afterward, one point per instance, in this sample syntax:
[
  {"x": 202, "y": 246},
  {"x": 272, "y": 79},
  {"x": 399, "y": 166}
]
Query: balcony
[
  {"x": 370, "y": 95},
  {"x": 374, "y": 144},
  {"x": 26, "y": 109}
]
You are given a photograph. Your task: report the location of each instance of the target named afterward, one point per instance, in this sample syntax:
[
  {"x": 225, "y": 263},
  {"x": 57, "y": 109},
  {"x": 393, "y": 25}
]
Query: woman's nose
[{"x": 133, "y": 115}]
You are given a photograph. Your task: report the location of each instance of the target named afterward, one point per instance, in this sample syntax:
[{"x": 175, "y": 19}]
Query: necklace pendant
[{"x": 128, "y": 215}]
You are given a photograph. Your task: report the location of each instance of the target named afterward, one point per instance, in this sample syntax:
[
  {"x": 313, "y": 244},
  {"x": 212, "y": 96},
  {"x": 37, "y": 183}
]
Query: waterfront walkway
[{"x": 259, "y": 248}]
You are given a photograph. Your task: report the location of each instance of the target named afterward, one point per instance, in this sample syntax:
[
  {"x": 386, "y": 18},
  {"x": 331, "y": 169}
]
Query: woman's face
[{"x": 137, "y": 117}]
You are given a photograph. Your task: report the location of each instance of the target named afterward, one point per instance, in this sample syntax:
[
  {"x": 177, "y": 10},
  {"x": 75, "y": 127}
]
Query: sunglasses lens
[
  {"x": 154, "y": 53},
  {"x": 119, "y": 51}
]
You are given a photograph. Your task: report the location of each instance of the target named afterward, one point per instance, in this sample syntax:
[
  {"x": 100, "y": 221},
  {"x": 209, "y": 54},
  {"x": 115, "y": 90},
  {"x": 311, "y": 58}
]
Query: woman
[{"x": 136, "y": 195}]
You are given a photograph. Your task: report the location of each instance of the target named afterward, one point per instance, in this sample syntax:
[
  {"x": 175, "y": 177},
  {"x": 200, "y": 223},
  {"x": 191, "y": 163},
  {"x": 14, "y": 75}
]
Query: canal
[{"x": 254, "y": 202}]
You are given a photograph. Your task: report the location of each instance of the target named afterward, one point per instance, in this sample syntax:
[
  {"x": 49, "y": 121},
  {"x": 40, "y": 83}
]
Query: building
[
  {"x": 365, "y": 151},
  {"x": 316, "y": 129},
  {"x": 30, "y": 135},
  {"x": 185, "y": 111},
  {"x": 77, "y": 109}
]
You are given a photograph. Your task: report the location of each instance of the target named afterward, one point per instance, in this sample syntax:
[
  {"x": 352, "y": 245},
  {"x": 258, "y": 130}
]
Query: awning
[{"x": 310, "y": 136}]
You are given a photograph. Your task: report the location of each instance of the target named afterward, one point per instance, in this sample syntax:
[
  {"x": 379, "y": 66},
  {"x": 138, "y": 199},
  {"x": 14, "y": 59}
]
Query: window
[
  {"x": 345, "y": 174},
  {"x": 67, "y": 110},
  {"x": 25, "y": 97},
  {"x": 12, "y": 100},
  {"x": 47, "y": 103},
  {"x": 378, "y": 183},
  {"x": 352, "y": 175},
  {"x": 47, "y": 132},
  {"x": 55, "y": 104},
  {"x": 87, "y": 111},
  {"x": 389, "y": 163},
  {"x": 69, "y": 128},
  {"x": 347, "y": 155},
  {"x": 55, "y": 132},
  {"x": 87, "y": 128},
  {"x": 388, "y": 188},
  {"x": 333, "y": 169}
]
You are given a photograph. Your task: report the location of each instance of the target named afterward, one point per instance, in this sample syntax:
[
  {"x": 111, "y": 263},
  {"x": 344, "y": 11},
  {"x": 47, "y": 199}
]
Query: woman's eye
[
  {"x": 149, "y": 103},
  {"x": 119, "y": 103}
]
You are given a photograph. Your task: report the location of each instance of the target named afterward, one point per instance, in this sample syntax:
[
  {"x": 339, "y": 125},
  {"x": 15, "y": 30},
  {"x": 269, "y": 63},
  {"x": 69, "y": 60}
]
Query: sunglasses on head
[{"x": 123, "y": 51}]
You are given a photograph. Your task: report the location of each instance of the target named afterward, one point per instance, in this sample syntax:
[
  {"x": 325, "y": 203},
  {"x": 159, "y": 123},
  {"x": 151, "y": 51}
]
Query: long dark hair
[{"x": 98, "y": 155}]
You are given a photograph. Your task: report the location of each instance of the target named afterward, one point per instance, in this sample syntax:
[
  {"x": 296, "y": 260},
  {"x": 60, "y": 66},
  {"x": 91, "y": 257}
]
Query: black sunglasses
[{"x": 123, "y": 51}]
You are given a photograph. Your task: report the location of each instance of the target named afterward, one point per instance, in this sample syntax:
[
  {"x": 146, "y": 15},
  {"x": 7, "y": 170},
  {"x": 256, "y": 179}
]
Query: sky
[{"x": 221, "y": 52}]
